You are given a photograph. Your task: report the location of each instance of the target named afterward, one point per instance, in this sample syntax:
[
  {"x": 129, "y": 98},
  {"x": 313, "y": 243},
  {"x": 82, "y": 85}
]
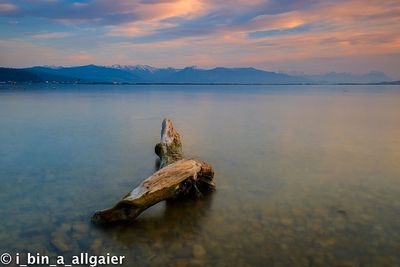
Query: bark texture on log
[
  {"x": 176, "y": 178},
  {"x": 170, "y": 148}
]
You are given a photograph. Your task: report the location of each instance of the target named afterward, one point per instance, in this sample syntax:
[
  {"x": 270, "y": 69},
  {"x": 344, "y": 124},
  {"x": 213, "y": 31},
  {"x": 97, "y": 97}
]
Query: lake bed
[{"x": 305, "y": 175}]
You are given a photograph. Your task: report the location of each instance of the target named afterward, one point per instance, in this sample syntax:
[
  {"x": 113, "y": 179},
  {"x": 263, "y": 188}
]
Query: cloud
[
  {"x": 289, "y": 29},
  {"x": 79, "y": 5},
  {"x": 106, "y": 12},
  {"x": 80, "y": 58},
  {"x": 7, "y": 7},
  {"x": 196, "y": 32},
  {"x": 51, "y": 35},
  {"x": 17, "y": 53}
]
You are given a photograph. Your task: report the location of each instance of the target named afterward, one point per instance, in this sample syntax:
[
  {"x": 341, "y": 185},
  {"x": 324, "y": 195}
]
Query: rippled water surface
[{"x": 306, "y": 175}]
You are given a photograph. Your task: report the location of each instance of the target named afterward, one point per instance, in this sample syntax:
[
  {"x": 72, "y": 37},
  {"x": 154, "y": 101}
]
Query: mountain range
[{"x": 193, "y": 75}]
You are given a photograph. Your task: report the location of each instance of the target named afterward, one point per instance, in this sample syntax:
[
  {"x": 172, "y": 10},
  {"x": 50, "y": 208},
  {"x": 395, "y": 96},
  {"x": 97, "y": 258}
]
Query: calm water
[{"x": 306, "y": 175}]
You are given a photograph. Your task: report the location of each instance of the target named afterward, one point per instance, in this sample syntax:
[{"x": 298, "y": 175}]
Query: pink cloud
[
  {"x": 7, "y": 7},
  {"x": 51, "y": 35},
  {"x": 80, "y": 58}
]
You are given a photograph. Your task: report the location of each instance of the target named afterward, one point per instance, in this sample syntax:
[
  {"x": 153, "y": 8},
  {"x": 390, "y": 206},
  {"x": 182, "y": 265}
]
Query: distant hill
[
  {"x": 49, "y": 74},
  {"x": 18, "y": 75},
  {"x": 148, "y": 74},
  {"x": 390, "y": 83},
  {"x": 334, "y": 77},
  {"x": 88, "y": 73},
  {"x": 233, "y": 75},
  {"x": 216, "y": 75}
]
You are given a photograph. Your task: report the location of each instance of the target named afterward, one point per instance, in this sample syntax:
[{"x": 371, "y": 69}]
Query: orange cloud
[
  {"x": 281, "y": 21},
  {"x": 155, "y": 14},
  {"x": 163, "y": 10}
]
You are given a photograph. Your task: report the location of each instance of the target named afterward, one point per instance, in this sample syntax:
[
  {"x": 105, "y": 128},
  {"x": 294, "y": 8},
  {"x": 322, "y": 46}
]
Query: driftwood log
[{"x": 176, "y": 178}]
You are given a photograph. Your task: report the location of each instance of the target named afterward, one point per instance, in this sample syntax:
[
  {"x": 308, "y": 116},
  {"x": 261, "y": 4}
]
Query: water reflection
[{"x": 172, "y": 220}]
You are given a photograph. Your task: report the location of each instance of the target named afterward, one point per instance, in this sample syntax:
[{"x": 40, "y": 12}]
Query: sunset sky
[{"x": 293, "y": 36}]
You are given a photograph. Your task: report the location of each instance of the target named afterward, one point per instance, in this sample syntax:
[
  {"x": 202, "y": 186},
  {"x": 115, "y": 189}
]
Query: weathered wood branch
[
  {"x": 176, "y": 178},
  {"x": 170, "y": 148}
]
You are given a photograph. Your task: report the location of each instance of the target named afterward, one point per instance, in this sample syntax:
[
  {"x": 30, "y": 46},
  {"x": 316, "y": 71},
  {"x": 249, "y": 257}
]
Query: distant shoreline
[
  {"x": 146, "y": 75},
  {"x": 182, "y": 84}
]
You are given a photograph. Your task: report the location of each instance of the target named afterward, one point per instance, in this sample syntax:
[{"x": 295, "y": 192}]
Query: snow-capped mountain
[
  {"x": 148, "y": 74},
  {"x": 134, "y": 68}
]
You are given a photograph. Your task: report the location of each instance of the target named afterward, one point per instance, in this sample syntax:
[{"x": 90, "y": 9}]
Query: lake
[{"x": 305, "y": 175}]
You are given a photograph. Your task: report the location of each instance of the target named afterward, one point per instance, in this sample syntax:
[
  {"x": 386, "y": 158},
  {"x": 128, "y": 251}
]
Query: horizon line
[{"x": 293, "y": 73}]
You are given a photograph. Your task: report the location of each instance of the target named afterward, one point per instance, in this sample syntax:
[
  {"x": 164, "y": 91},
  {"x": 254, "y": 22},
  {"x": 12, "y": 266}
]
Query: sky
[{"x": 306, "y": 36}]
